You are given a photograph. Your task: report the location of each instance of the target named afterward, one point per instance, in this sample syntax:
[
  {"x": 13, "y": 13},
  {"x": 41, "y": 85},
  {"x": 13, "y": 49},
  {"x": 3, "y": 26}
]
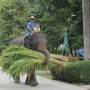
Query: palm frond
[
  {"x": 18, "y": 53},
  {"x": 24, "y": 66}
]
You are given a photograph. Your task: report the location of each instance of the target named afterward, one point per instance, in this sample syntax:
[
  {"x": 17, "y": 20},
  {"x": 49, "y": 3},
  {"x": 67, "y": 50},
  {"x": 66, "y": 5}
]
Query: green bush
[{"x": 72, "y": 72}]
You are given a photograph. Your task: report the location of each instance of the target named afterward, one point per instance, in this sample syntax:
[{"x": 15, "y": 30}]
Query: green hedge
[{"x": 73, "y": 72}]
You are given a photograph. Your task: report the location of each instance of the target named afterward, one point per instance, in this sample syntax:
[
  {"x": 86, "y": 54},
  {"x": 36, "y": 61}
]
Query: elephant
[{"x": 38, "y": 42}]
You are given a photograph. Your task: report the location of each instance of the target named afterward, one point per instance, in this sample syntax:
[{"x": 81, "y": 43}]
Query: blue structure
[{"x": 80, "y": 52}]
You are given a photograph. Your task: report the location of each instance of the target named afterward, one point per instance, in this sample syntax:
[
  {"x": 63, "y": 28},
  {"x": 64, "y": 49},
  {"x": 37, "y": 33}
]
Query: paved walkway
[{"x": 44, "y": 84}]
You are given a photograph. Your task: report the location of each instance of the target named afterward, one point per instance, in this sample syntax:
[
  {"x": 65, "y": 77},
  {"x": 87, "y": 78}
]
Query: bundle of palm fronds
[
  {"x": 18, "y": 60},
  {"x": 63, "y": 58}
]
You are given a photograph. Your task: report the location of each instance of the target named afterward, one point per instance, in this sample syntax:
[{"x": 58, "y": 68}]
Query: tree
[
  {"x": 67, "y": 14},
  {"x": 13, "y": 17},
  {"x": 54, "y": 16},
  {"x": 86, "y": 27}
]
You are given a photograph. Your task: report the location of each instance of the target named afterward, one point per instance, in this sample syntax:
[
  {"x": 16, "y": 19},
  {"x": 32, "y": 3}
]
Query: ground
[{"x": 6, "y": 83}]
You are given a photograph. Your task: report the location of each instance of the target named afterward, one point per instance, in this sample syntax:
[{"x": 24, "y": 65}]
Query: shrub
[{"x": 77, "y": 72}]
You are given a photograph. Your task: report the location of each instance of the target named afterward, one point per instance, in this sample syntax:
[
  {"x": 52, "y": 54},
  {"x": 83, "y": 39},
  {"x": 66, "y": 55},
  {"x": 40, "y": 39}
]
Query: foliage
[
  {"x": 73, "y": 72},
  {"x": 13, "y": 18},
  {"x": 17, "y": 59},
  {"x": 53, "y": 15},
  {"x": 56, "y": 15}
]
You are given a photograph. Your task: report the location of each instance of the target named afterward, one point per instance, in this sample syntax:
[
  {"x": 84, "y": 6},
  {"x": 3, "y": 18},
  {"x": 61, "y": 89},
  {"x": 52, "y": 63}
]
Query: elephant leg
[
  {"x": 16, "y": 79},
  {"x": 31, "y": 79}
]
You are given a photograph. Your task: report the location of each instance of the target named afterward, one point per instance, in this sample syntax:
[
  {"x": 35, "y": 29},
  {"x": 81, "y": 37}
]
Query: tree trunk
[{"x": 86, "y": 28}]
